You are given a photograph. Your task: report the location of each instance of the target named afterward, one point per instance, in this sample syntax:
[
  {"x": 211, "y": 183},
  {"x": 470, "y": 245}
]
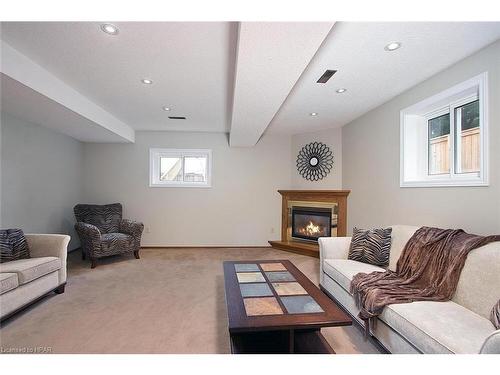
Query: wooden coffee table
[{"x": 273, "y": 308}]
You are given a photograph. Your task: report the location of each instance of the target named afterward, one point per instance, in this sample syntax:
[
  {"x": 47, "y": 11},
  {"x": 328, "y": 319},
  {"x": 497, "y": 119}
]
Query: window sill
[
  {"x": 179, "y": 186},
  {"x": 444, "y": 183}
]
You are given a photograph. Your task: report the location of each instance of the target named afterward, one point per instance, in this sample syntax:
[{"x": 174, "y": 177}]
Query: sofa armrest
[
  {"x": 50, "y": 245},
  {"x": 492, "y": 344},
  {"x": 332, "y": 248}
]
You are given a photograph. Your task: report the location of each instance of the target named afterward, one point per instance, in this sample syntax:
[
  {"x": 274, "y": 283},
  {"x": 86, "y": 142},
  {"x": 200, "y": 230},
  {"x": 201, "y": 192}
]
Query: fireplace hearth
[{"x": 310, "y": 223}]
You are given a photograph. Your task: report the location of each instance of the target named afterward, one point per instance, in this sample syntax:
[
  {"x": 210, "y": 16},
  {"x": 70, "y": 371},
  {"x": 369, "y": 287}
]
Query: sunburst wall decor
[{"x": 315, "y": 161}]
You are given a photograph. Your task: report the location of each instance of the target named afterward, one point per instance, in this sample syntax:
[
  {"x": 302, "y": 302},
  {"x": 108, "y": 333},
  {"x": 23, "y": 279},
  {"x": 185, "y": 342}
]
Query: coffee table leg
[{"x": 231, "y": 344}]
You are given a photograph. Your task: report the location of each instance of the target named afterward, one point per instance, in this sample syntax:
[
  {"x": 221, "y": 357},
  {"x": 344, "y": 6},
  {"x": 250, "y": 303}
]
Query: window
[
  {"x": 438, "y": 144},
  {"x": 467, "y": 139},
  {"x": 444, "y": 138},
  {"x": 177, "y": 168}
]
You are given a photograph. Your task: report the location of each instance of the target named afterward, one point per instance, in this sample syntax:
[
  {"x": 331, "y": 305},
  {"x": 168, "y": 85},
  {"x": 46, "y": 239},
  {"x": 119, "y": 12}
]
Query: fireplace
[
  {"x": 310, "y": 223},
  {"x": 326, "y": 209}
]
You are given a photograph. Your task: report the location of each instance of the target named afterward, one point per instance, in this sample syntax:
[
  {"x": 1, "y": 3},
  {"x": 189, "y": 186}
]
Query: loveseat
[
  {"x": 24, "y": 281},
  {"x": 461, "y": 325}
]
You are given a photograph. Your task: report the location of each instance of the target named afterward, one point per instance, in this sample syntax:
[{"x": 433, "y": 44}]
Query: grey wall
[
  {"x": 371, "y": 162},
  {"x": 1, "y": 123},
  {"x": 40, "y": 178},
  {"x": 242, "y": 207},
  {"x": 333, "y": 139}
]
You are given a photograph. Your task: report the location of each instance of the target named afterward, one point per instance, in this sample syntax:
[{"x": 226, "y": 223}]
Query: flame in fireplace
[{"x": 312, "y": 229}]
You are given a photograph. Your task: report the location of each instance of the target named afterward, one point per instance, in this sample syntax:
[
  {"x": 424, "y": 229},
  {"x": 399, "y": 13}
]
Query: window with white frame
[
  {"x": 180, "y": 167},
  {"x": 444, "y": 139}
]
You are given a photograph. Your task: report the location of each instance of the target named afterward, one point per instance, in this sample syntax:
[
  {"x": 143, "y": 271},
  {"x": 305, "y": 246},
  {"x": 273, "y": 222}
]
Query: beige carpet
[{"x": 169, "y": 301}]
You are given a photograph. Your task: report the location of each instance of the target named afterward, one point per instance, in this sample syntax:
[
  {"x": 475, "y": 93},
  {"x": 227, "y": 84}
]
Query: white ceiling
[
  {"x": 195, "y": 68},
  {"x": 191, "y": 65},
  {"x": 271, "y": 57},
  {"x": 23, "y": 102},
  {"x": 372, "y": 75}
]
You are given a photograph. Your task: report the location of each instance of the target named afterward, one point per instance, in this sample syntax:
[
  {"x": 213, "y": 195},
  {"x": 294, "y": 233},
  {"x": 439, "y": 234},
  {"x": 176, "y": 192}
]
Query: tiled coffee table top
[
  {"x": 274, "y": 295},
  {"x": 268, "y": 288},
  {"x": 288, "y": 289},
  {"x": 255, "y": 290},
  {"x": 279, "y": 276},
  {"x": 301, "y": 305},
  {"x": 262, "y": 306},
  {"x": 250, "y": 277}
]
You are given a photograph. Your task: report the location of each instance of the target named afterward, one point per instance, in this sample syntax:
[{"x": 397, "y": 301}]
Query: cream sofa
[
  {"x": 461, "y": 325},
  {"x": 24, "y": 281}
]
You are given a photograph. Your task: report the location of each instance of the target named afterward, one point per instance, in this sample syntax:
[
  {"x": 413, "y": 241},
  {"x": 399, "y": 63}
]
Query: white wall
[
  {"x": 1, "y": 162},
  {"x": 371, "y": 162},
  {"x": 1, "y": 122},
  {"x": 40, "y": 178},
  {"x": 242, "y": 208},
  {"x": 333, "y": 139}
]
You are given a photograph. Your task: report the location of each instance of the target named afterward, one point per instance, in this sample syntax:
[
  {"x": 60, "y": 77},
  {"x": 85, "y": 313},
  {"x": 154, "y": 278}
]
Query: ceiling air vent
[
  {"x": 176, "y": 117},
  {"x": 326, "y": 76}
]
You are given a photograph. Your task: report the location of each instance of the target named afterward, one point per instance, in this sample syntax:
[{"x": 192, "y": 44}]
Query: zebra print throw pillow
[
  {"x": 13, "y": 245},
  {"x": 495, "y": 315},
  {"x": 371, "y": 246}
]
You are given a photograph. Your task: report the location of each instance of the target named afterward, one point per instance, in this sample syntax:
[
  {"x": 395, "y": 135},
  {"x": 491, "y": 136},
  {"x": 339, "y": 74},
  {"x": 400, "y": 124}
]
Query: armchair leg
[
  {"x": 83, "y": 254},
  {"x": 93, "y": 262},
  {"x": 136, "y": 254}
]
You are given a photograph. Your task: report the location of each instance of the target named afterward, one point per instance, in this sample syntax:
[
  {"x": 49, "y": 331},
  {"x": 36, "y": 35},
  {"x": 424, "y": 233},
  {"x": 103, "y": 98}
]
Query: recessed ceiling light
[
  {"x": 146, "y": 81},
  {"x": 392, "y": 46},
  {"x": 109, "y": 28},
  {"x": 165, "y": 108},
  {"x": 340, "y": 91},
  {"x": 313, "y": 114}
]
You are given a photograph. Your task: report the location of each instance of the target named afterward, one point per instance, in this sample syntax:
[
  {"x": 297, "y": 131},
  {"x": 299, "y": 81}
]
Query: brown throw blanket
[{"x": 427, "y": 270}]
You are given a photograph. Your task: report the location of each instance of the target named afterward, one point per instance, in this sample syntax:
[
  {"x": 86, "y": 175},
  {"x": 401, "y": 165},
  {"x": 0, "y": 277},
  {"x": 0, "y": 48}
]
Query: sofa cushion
[
  {"x": 343, "y": 270},
  {"x": 30, "y": 269},
  {"x": 400, "y": 236},
  {"x": 8, "y": 281},
  {"x": 438, "y": 327},
  {"x": 116, "y": 240},
  {"x": 480, "y": 294}
]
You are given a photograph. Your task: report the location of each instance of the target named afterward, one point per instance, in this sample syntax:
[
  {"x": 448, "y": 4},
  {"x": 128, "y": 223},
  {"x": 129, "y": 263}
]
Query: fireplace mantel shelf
[
  {"x": 333, "y": 192},
  {"x": 287, "y": 243}
]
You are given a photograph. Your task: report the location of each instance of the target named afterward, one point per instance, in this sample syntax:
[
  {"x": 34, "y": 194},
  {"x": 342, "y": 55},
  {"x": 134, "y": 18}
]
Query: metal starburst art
[{"x": 315, "y": 161}]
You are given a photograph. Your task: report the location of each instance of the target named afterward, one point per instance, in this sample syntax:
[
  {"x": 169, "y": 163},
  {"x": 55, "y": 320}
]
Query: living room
[{"x": 198, "y": 185}]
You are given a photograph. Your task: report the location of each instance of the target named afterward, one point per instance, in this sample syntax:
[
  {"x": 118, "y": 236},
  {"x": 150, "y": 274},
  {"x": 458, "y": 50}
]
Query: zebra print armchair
[{"x": 103, "y": 232}]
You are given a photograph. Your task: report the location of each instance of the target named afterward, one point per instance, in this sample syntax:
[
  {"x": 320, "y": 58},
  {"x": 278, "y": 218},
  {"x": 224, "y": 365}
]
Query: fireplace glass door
[{"x": 310, "y": 223}]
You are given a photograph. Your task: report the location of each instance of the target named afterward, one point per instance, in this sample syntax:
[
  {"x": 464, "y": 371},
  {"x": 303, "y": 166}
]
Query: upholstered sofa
[
  {"x": 461, "y": 325},
  {"x": 24, "y": 281}
]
